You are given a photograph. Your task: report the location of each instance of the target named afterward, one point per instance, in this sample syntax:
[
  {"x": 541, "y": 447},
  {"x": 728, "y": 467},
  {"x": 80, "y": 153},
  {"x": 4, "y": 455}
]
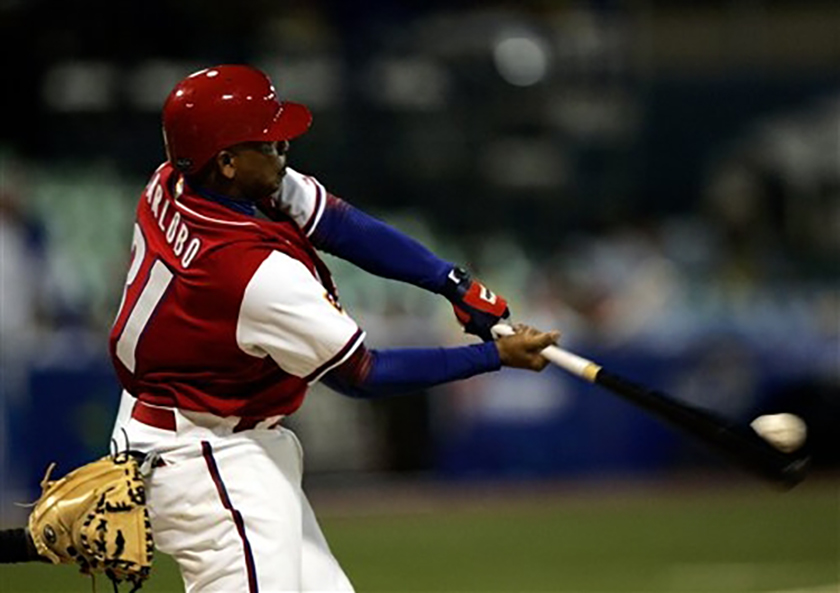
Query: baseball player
[{"x": 229, "y": 314}]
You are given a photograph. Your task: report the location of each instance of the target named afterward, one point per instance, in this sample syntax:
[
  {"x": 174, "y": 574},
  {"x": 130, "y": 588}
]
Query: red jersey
[{"x": 223, "y": 312}]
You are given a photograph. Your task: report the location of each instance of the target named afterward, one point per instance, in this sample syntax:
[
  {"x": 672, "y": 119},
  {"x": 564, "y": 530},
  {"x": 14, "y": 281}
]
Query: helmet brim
[{"x": 292, "y": 120}]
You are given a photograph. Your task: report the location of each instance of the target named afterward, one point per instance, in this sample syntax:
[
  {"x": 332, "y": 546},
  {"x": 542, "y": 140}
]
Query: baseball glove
[{"x": 96, "y": 517}]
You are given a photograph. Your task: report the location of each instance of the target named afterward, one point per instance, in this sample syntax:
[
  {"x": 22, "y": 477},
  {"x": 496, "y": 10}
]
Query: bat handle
[{"x": 569, "y": 361}]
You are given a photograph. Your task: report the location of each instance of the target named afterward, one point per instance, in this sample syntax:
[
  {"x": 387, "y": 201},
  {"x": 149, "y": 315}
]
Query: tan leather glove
[{"x": 96, "y": 517}]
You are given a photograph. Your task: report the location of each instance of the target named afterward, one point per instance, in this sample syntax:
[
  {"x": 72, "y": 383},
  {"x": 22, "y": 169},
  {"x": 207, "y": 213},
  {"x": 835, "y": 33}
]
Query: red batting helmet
[{"x": 216, "y": 108}]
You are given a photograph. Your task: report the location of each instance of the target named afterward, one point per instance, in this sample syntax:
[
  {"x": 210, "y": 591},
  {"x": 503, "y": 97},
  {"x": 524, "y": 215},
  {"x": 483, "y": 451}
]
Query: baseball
[{"x": 786, "y": 432}]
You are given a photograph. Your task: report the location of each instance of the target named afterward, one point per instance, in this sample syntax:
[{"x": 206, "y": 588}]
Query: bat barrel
[{"x": 738, "y": 443}]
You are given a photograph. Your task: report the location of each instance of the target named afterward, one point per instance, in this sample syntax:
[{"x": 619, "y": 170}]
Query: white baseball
[{"x": 786, "y": 432}]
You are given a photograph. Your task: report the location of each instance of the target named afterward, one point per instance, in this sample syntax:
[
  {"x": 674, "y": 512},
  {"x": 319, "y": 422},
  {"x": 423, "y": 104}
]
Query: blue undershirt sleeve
[
  {"x": 352, "y": 235},
  {"x": 403, "y": 370}
]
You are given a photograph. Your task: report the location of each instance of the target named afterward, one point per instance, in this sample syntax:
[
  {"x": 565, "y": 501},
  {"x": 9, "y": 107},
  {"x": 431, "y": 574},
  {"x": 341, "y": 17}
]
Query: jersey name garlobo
[
  {"x": 176, "y": 230},
  {"x": 223, "y": 312}
]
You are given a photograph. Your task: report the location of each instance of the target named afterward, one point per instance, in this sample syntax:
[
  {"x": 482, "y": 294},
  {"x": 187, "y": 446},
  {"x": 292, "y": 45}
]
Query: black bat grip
[{"x": 738, "y": 442}]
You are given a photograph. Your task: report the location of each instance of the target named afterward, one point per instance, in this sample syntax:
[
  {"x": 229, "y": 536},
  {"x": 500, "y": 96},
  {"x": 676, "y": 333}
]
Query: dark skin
[
  {"x": 251, "y": 171},
  {"x": 522, "y": 349}
]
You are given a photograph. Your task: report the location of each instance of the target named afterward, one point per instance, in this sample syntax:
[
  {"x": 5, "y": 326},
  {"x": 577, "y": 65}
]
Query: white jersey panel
[
  {"x": 303, "y": 198},
  {"x": 286, "y": 314}
]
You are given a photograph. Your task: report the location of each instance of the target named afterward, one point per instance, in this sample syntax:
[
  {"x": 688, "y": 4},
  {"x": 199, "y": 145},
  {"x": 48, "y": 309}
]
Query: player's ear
[{"x": 225, "y": 164}]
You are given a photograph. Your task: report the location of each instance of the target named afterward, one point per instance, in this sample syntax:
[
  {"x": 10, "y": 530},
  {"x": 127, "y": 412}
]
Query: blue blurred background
[{"x": 659, "y": 181}]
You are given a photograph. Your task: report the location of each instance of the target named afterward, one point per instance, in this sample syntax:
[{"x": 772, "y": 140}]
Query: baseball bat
[{"x": 739, "y": 443}]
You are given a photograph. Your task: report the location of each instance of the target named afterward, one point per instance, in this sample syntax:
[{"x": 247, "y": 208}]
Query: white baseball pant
[{"x": 228, "y": 506}]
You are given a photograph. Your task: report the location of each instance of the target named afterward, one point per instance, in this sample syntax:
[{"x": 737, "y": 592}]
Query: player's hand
[
  {"x": 522, "y": 349},
  {"x": 477, "y": 308}
]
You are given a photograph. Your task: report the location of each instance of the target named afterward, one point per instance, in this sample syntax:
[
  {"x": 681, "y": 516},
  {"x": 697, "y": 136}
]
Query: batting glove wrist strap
[{"x": 477, "y": 308}]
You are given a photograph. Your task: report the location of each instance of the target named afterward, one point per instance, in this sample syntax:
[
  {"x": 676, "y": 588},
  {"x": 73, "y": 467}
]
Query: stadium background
[{"x": 660, "y": 181}]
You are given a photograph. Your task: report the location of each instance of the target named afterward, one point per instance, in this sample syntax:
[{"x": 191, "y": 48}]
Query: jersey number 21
[{"x": 155, "y": 284}]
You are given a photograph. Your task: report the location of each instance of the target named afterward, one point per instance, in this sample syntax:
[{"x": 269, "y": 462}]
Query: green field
[{"x": 675, "y": 539}]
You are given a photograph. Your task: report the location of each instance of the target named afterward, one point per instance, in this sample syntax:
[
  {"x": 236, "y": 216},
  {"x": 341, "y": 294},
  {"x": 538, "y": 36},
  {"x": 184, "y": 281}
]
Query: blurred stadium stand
[{"x": 659, "y": 181}]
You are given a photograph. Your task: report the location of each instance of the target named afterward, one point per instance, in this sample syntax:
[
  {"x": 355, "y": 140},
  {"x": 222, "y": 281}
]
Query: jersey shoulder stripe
[
  {"x": 303, "y": 199},
  {"x": 184, "y": 208},
  {"x": 342, "y": 355},
  {"x": 318, "y": 211}
]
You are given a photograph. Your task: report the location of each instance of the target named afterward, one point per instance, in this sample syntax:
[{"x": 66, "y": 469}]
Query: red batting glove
[{"x": 477, "y": 308}]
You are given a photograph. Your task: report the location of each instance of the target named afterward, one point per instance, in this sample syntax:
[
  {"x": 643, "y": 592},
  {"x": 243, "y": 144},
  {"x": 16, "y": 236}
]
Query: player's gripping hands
[
  {"x": 477, "y": 308},
  {"x": 522, "y": 349}
]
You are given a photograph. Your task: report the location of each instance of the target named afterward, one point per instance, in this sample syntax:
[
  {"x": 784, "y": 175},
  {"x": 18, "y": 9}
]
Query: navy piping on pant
[{"x": 237, "y": 516}]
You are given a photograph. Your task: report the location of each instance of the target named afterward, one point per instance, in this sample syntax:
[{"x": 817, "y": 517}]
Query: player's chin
[
  {"x": 260, "y": 192},
  {"x": 273, "y": 186}
]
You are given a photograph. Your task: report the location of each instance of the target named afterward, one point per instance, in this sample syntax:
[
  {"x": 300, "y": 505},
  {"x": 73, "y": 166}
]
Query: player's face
[{"x": 260, "y": 167}]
